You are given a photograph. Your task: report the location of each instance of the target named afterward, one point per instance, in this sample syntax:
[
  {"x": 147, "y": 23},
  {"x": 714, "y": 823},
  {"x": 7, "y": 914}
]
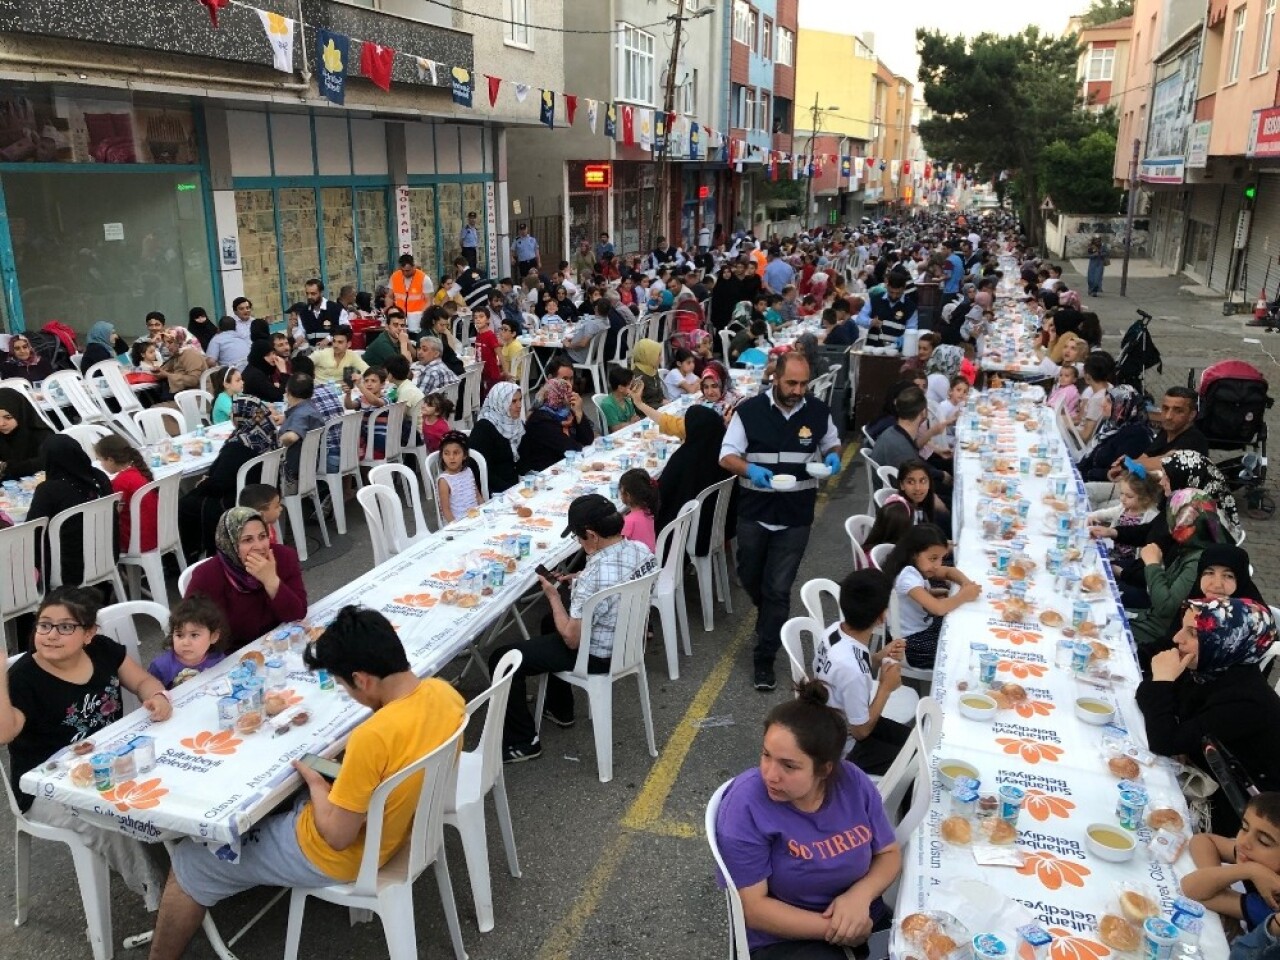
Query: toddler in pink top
[{"x": 639, "y": 494}]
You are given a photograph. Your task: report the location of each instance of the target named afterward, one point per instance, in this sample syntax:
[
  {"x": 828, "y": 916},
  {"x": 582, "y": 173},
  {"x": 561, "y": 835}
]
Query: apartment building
[
  {"x": 891, "y": 150},
  {"x": 1104, "y": 60}
]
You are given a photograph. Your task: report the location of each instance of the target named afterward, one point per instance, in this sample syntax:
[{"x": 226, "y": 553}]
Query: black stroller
[
  {"x": 1138, "y": 354},
  {"x": 1233, "y": 409}
]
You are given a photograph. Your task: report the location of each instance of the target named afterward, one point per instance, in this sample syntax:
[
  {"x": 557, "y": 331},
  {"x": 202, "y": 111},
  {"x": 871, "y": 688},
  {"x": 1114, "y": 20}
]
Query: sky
[{"x": 895, "y": 27}]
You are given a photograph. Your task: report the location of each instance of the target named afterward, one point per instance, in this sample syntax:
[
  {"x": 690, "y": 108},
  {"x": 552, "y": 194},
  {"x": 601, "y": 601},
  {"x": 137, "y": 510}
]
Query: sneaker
[
  {"x": 559, "y": 721},
  {"x": 765, "y": 680},
  {"x": 520, "y": 752}
]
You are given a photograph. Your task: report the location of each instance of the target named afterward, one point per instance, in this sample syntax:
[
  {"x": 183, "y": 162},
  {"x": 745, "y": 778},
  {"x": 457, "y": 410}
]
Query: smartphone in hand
[
  {"x": 542, "y": 571},
  {"x": 329, "y": 769}
]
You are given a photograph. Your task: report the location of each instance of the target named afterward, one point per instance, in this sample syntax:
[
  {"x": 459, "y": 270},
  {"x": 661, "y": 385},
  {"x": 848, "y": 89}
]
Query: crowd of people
[{"x": 1163, "y": 508}]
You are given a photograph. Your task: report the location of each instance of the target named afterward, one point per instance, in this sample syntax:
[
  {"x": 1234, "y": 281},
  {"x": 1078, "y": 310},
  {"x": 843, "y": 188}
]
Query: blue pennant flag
[
  {"x": 611, "y": 121},
  {"x": 547, "y": 115},
  {"x": 331, "y": 65},
  {"x": 463, "y": 84}
]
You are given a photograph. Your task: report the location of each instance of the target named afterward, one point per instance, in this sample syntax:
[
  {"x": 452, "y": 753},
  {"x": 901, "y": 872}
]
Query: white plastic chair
[
  {"x": 97, "y": 543},
  {"x": 873, "y": 481},
  {"x": 881, "y": 496},
  {"x": 168, "y": 540},
  {"x": 594, "y": 364},
  {"x": 196, "y": 406},
  {"x": 668, "y": 591},
  {"x": 596, "y": 414},
  {"x": 888, "y": 477},
  {"x": 793, "y": 643},
  {"x": 206, "y": 381},
  {"x": 632, "y": 600},
  {"x": 479, "y": 774},
  {"x": 386, "y": 476},
  {"x": 348, "y": 431},
  {"x": 21, "y": 590},
  {"x": 118, "y": 622},
  {"x": 184, "y": 578},
  {"x": 895, "y": 627},
  {"x": 812, "y": 594},
  {"x": 25, "y": 388},
  {"x": 153, "y": 424},
  {"x": 857, "y": 527},
  {"x": 118, "y": 387},
  {"x": 432, "y": 467},
  {"x": 69, "y": 386},
  {"x": 388, "y": 890},
  {"x": 733, "y": 900},
  {"x": 92, "y": 873},
  {"x": 391, "y": 418},
  {"x": 712, "y": 569},
  {"x": 269, "y": 463},
  {"x": 307, "y": 485},
  {"x": 726, "y": 341},
  {"x": 879, "y": 556},
  {"x": 468, "y": 404},
  {"x": 385, "y": 520},
  {"x": 87, "y": 435}
]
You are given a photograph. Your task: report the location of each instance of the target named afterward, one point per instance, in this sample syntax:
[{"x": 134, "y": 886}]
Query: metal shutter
[
  {"x": 1218, "y": 277},
  {"x": 1264, "y": 238}
]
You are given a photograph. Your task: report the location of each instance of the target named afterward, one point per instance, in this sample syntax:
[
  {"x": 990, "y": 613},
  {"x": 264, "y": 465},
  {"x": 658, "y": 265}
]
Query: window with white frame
[
  {"x": 635, "y": 64},
  {"x": 742, "y": 22},
  {"x": 1264, "y": 40},
  {"x": 786, "y": 47},
  {"x": 766, "y": 39},
  {"x": 738, "y": 101},
  {"x": 1237, "y": 45},
  {"x": 1102, "y": 63},
  {"x": 688, "y": 93},
  {"x": 518, "y": 22},
  {"x": 762, "y": 112},
  {"x": 753, "y": 28}
]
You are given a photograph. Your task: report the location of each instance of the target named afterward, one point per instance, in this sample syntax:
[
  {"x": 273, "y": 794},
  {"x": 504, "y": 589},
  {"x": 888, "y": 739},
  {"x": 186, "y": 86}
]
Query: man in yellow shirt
[
  {"x": 321, "y": 840},
  {"x": 333, "y": 360}
]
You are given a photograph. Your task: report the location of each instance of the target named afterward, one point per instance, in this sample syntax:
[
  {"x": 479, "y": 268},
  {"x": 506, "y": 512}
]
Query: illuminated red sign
[
  {"x": 704, "y": 192},
  {"x": 597, "y": 176}
]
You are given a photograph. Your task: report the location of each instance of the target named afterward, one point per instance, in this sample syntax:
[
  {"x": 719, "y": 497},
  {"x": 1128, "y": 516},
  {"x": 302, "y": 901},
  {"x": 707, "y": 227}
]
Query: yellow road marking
[{"x": 568, "y": 931}]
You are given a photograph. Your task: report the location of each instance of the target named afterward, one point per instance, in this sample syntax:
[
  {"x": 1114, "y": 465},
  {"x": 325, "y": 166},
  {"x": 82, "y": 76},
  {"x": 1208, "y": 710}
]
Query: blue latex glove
[
  {"x": 758, "y": 475},
  {"x": 832, "y": 460}
]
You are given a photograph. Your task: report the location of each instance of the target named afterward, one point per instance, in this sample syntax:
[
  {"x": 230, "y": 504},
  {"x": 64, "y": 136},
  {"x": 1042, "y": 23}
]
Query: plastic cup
[
  {"x": 1010, "y": 801},
  {"x": 1159, "y": 939},
  {"x": 987, "y": 663},
  {"x": 1129, "y": 808}
]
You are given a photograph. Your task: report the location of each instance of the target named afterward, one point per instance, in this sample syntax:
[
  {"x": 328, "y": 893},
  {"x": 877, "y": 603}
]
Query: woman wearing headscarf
[
  {"x": 201, "y": 327},
  {"x": 556, "y": 426},
  {"x": 71, "y": 480},
  {"x": 1169, "y": 572},
  {"x": 23, "y": 435},
  {"x": 99, "y": 345},
  {"x": 691, "y": 469},
  {"x": 645, "y": 357},
  {"x": 943, "y": 364},
  {"x": 1187, "y": 469},
  {"x": 1209, "y": 685},
  {"x": 497, "y": 435},
  {"x": 260, "y": 373},
  {"x": 256, "y": 583},
  {"x": 724, "y": 296},
  {"x": 23, "y": 361},
  {"x": 186, "y": 364},
  {"x": 253, "y": 433},
  {"x": 1122, "y": 432}
]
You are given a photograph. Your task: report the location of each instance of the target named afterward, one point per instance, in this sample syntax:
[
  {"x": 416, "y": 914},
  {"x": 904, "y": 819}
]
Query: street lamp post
[{"x": 816, "y": 113}]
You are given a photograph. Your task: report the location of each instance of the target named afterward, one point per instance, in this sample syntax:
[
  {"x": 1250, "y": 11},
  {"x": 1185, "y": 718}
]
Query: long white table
[{"x": 1038, "y": 744}]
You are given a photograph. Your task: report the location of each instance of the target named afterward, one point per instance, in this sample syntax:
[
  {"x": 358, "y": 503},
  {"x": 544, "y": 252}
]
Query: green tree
[
  {"x": 1079, "y": 175},
  {"x": 1104, "y": 11},
  {"x": 997, "y": 101}
]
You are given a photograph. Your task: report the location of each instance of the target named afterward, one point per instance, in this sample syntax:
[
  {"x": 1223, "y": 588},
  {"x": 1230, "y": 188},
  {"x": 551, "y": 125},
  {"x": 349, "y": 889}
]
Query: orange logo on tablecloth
[
  {"x": 1016, "y": 637},
  {"x": 448, "y": 576},
  {"x": 540, "y": 522},
  {"x": 1053, "y": 871},
  {"x": 1032, "y": 751},
  {"x": 422, "y": 600},
  {"x": 222, "y": 743},
  {"x": 1041, "y": 806},
  {"x": 1033, "y": 708},
  {"x": 1068, "y": 945},
  {"x": 290, "y": 698},
  {"x": 1022, "y": 669},
  {"x": 132, "y": 795}
]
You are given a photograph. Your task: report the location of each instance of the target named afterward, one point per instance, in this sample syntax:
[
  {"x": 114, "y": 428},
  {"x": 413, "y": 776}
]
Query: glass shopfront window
[
  {"x": 259, "y": 252},
  {"x": 373, "y": 261},
  {"x": 422, "y": 219},
  {"x": 449, "y": 200},
  {"x": 108, "y": 246},
  {"x": 339, "y": 239}
]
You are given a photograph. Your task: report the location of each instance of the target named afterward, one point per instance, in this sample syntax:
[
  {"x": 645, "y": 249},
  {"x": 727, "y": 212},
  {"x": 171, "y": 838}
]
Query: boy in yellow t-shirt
[{"x": 321, "y": 840}]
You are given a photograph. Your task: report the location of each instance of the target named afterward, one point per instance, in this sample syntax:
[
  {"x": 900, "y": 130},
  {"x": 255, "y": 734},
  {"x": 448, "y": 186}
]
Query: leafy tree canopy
[
  {"x": 1078, "y": 175},
  {"x": 1104, "y": 11}
]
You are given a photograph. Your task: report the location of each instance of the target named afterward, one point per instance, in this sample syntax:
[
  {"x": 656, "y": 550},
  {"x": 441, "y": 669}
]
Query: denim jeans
[
  {"x": 544, "y": 654},
  {"x": 767, "y": 564}
]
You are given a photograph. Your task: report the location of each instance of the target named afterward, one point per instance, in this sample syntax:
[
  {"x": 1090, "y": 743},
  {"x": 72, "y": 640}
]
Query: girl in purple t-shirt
[
  {"x": 805, "y": 838},
  {"x": 196, "y": 628}
]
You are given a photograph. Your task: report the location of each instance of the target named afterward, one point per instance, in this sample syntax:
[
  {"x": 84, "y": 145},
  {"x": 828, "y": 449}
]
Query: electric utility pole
[
  {"x": 668, "y": 108},
  {"x": 1129, "y": 214},
  {"x": 808, "y": 173}
]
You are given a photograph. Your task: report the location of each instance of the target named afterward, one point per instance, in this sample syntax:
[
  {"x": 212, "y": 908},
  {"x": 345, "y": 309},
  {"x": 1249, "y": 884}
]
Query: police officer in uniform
[
  {"x": 524, "y": 249},
  {"x": 888, "y": 315},
  {"x": 776, "y": 434},
  {"x": 470, "y": 240}
]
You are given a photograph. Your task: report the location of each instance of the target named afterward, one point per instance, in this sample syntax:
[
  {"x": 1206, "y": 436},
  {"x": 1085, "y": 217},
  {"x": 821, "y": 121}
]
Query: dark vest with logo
[
  {"x": 782, "y": 445},
  {"x": 893, "y": 318}
]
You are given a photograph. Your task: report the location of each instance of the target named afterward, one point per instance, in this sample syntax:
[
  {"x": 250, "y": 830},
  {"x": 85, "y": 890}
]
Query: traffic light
[{"x": 1250, "y": 194}]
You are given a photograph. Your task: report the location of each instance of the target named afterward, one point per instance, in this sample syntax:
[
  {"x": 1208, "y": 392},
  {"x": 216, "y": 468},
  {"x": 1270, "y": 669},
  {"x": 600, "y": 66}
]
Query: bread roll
[
  {"x": 956, "y": 830},
  {"x": 1118, "y": 934}
]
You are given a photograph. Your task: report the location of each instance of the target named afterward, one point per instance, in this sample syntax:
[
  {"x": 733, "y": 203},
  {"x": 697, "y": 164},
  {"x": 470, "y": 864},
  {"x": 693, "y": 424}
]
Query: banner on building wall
[
  {"x": 463, "y": 86},
  {"x": 279, "y": 32},
  {"x": 695, "y": 142},
  {"x": 491, "y": 225},
  {"x": 547, "y": 114},
  {"x": 593, "y": 113},
  {"x": 1198, "y": 144},
  {"x": 645, "y": 134},
  {"x": 404, "y": 222},
  {"x": 331, "y": 65},
  {"x": 1264, "y": 133},
  {"x": 611, "y": 121}
]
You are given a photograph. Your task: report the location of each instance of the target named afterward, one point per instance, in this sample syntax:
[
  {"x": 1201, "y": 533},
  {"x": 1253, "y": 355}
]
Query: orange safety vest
[{"x": 411, "y": 300}]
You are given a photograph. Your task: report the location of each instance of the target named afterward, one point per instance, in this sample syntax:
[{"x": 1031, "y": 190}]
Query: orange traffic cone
[{"x": 1260, "y": 308}]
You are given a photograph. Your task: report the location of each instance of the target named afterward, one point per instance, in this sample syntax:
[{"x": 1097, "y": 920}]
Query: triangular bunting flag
[
  {"x": 427, "y": 70},
  {"x": 331, "y": 65},
  {"x": 547, "y": 114},
  {"x": 280, "y": 35},
  {"x": 494, "y": 84},
  {"x": 871, "y": 162},
  {"x": 593, "y": 113},
  {"x": 522, "y": 92},
  {"x": 611, "y": 121},
  {"x": 375, "y": 63},
  {"x": 463, "y": 86},
  {"x": 213, "y": 6},
  {"x": 570, "y": 107}
]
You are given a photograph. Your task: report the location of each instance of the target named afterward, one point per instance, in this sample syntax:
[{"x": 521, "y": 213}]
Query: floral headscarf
[
  {"x": 557, "y": 394},
  {"x": 497, "y": 410},
  {"x": 946, "y": 360},
  {"x": 1193, "y": 519},
  {"x": 1232, "y": 632},
  {"x": 1188, "y": 469},
  {"x": 184, "y": 339},
  {"x": 226, "y": 537},
  {"x": 1127, "y": 407},
  {"x": 252, "y": 425}
]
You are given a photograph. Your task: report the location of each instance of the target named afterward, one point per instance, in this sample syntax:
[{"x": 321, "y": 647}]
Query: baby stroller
[
  {"x": 1232, "y": 416},
  {"x": 1138, "y": 354}
]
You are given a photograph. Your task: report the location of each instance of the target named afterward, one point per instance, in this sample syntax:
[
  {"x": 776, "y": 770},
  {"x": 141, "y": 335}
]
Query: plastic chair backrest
[
  {"x": 196, "y": 406},
  {"x": 881, "y": 496},
  {"x": 469, "y": 396},
  {"x": 899, "y": 778},
  {"x": 631, "y": 612},
  {"x": 489, "y": 747},
  {"x": 670, "y": 543},
  {"x": 873, "y": 468},
  {"x": 596, "y": 413},
  {"x": 888, "y": 476},
  {"x": 309, "y": 465},
  {"x": 118, "y": 622},
  {"x": 270, "y": 475},
  {"x": 737, "y": 916},
  {"x": 348, "y": 432},
  {"x": 167, "y": 490},
  {"x": 439, "y": 770},
  {"x": 153, "y": 423},
  {"x": 812, "y": 595},
  {"x": 879, "y": 555},
  {"x": 392, "y": 418},
  {"x": 184, "y": 578},
  {"x": 793, "y": 643},
  {"x": 929, "y": 723},
  {"x": 726, "y": 340},
  {"x": 432, "y": 467},
  {"x": 21, "y": 591},
  {"x": 722, "y": 492},
  {"x": 118, "y": 387},
  {"x": 857, "y": 527},
  {"x": 206, "y": 380},
  {"x": 87, "y": 435},
  {"x": 384, "y": 519},
  {"x": 386, "y": 475},
  {"x": 25, "y": 388},
  {"x": 97, "y": 542},
  {"x": 73, "y": 389}
]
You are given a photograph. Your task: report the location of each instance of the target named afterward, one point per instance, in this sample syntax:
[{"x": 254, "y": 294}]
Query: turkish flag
[
  {"x": 213, "y": 6},
  {"x": 375, "y": 63},
  {"x": 570, "y": 106},
  {"x": 628, "y": 125},
  {"x": 495, "y": 83},
  {"x": 871, "y": 162}
]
